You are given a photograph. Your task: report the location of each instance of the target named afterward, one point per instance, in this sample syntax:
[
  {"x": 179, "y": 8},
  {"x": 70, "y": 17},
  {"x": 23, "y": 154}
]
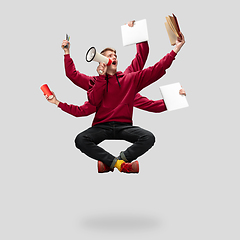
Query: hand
[
  {"x": 64, "y": 46},
  {"x": 131, "y": 23},
  {"x": 102, "y": 69},
  {"x": 52, "y": 100},
  {"x": 182, "y": 92},
  {"x": 179, "y": 43}
]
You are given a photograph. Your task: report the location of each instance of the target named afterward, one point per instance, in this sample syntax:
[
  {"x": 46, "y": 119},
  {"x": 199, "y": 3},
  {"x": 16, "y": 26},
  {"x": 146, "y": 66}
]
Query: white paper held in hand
[
  {"x": 136, "y": 34},
  {"x": 172, "y": 98}
]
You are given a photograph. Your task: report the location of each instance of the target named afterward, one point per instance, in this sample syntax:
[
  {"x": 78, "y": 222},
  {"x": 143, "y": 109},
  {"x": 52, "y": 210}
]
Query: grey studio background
[{"x": 188, "y": 185}]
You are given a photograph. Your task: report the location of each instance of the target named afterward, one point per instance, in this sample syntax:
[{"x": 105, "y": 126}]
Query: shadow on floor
[{"x": 114, "y": 222}]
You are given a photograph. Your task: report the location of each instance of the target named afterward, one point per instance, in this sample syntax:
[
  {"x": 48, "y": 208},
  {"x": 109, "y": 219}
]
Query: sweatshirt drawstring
[
  {"x": 107, "y": 81},
  {"x": 118, "y": 81}
]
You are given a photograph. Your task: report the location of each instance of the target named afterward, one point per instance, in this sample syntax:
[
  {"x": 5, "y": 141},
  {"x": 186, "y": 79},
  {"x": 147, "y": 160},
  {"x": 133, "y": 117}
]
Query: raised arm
[
  {"x": 79, "y": 79},
  {"x": 140, "y": 59},
  {"x": 151, "y": 74}
]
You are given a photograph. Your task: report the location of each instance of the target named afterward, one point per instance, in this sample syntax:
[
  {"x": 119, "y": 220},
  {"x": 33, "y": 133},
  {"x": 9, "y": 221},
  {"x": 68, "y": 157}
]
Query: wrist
[
  {"x": 176, "y": 49},
  {"x": 66, "y": 51},
  {"x": 57, "y": 102}
]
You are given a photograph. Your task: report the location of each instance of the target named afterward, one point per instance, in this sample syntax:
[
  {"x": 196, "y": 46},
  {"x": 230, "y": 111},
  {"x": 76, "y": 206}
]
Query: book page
[
  {"x": 171, "y": 35},
  {"x": 170, "y": 23},
  {"x": 175, "y": 25}
]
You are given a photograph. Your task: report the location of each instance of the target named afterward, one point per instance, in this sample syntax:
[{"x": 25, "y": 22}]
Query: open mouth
[{"x": 114, "y": 62}]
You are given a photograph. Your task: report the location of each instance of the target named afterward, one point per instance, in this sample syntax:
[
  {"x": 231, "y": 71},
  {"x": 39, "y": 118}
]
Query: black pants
[{"x": 88, "y": 141}]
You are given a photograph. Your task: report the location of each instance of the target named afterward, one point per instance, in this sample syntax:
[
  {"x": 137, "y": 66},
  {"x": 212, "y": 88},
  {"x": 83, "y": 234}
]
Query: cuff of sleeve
[
  {"x": 101, "y": 77},
  {"x": 164, "y": 104},
  {"x": 66, "y": 56},
  {"x": 173, "y": 54},
  {"x": 60, "y": 105}
]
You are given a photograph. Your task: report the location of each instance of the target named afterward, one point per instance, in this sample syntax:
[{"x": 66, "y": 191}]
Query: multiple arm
[
  {"x": 82, "y": 81},
  {"x": 87, "y": 109},
  {"x": 141, "y": 79}
]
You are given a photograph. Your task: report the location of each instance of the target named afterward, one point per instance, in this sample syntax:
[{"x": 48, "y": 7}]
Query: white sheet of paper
[
  {"x": 172, "y": 98},
  {"x": 136, "y": 34}
]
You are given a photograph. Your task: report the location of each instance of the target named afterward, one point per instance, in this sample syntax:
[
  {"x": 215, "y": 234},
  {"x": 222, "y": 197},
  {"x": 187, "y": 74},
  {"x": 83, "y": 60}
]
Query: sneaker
[
  {"x": 103, "y": 167},
  {"x": 130, "y": 167}
]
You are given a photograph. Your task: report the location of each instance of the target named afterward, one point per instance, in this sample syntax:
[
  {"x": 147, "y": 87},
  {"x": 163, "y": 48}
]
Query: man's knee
[
  {"x": 80, "y": 142},
  {"x": 150, "y": 139}
]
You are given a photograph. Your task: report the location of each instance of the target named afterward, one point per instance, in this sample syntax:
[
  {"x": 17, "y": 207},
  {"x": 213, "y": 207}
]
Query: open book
[{"x": 172, "y": 28}]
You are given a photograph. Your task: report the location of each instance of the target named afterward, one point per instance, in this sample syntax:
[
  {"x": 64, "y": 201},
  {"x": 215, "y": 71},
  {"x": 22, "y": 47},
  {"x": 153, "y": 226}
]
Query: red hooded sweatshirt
[
  {"x": 113, "y": 95},
  {"x": 82, "y": 81}
]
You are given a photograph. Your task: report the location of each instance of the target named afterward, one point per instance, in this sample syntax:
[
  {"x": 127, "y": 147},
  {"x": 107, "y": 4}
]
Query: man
[
  {"x": 88, "y": 109},
  {"x": 113, "y": 95},
  {"x": 82, "y": 81}
]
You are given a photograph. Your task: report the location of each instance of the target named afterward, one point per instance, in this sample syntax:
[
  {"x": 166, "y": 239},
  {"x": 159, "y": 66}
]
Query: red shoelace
[{"x": 126, "y": 167}]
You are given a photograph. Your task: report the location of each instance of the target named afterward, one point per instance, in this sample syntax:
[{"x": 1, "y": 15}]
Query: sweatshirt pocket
[
  {"x": 120, "y": 113},
  {"x": 123, "y": 111}
]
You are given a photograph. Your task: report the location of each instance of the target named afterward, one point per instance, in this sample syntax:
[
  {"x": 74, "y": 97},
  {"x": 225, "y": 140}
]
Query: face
[{"x": 113, "y": 57}]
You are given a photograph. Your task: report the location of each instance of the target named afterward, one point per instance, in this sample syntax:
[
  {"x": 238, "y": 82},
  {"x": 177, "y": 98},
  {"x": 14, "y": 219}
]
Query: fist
[
  {"x": 131, "y": 23},
  {"x": 65, "y": 46},
  {"x": 102, "y": 69},
  {"x": 182, "y": 92}
]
